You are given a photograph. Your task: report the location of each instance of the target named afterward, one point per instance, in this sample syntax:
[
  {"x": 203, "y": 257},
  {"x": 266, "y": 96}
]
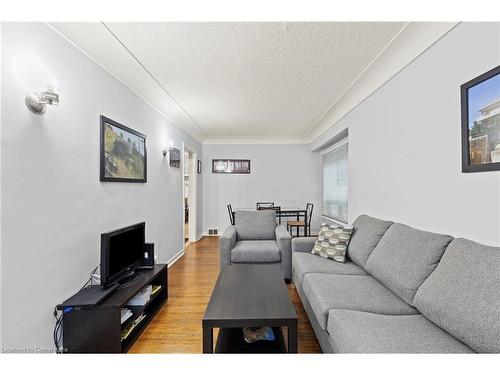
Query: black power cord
[
  {"x": 58, "y": 328},
  {"x": 57, "y": 334}
]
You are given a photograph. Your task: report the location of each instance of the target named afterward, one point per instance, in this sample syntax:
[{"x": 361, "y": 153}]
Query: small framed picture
[
  {"x": 231, "y": 166},
  {"x": 199, "y": 167},
  {"x": 480, "y": 99},
  {"x": 123, "y": 153},
  {"x": 175, "y": 158}
]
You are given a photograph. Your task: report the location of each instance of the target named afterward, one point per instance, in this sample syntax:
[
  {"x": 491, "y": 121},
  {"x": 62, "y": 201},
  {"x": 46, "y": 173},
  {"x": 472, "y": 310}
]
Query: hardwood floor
[{"x": 177, "y": 327}]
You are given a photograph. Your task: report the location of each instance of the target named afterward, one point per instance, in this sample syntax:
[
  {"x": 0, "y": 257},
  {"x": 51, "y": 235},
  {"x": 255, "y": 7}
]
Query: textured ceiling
[
  {"x": 255, "y": 79},
  {"x": 237, "y": 79}
]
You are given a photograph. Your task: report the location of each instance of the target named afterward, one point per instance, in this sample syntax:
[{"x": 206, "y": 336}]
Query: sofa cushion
[
  {"x": 463, "y": 294},
  {"x": 405, "y": 257},
  {"x": 362, "y": 332},
  {"x": 261, "y": 251},
  {"x": 332, "y": 242},
  {"x": 352, "y": 292},
  {"x": 367, "y": 233},
  {"x": 304, "y": 263},
  {"x": 255, "y": 225}
]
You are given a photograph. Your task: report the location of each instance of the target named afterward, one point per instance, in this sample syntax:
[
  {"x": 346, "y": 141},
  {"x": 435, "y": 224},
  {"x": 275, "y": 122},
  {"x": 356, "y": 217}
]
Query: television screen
[{"x": 121, "y": 252}]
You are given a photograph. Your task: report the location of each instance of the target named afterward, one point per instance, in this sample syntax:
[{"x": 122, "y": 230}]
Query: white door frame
[{"x": 193, "y": 192}]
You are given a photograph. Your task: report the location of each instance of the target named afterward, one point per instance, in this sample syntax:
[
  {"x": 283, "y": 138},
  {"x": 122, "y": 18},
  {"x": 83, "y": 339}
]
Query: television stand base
[{"x": 128, "y": 280}]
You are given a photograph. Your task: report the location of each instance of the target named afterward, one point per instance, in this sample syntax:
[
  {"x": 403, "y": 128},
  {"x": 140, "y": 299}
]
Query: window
[{"x": 335, "y": 183}]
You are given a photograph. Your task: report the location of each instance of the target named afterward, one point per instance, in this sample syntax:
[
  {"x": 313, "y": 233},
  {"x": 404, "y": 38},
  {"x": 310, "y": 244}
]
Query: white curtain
[{"x": 335, "y": 184}]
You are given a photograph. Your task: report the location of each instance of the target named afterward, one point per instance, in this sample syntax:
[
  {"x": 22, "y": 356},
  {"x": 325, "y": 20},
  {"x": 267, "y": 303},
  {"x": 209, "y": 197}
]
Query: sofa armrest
[
  {"x": 227, "y": 240},
  {"x": 303, "y": 244},
  {"x": 284, "y": 241}
]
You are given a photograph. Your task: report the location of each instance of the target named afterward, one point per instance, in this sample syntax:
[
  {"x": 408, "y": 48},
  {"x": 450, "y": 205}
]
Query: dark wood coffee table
[{"x": 249, "y": 295}]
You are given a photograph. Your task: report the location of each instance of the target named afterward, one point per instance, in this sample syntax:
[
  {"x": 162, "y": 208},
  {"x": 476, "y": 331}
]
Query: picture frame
[
  {"x": 480, "y": 112},
  {"x": 231, "y": 166},
  {"x": 198, "y": 168},
  {"x": 175, "y": 158},
  {"x": 123, "y": 153}
]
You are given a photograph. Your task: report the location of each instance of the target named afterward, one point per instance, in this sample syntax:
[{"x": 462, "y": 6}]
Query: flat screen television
[{"x": 122, "y": 251}]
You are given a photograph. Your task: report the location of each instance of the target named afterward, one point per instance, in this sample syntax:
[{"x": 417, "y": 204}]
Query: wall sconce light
[
  {"x": 37, "y": 102},
  {"x": 168, "y": 146}
]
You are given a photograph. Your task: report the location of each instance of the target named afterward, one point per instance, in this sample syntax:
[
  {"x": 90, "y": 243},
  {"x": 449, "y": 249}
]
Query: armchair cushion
[
  {"x": 260, "y": 251},
  {"x": 255, "y": 225}
]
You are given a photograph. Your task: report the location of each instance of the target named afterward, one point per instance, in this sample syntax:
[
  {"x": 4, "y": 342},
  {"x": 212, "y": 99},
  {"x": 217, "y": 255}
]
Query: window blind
[{"x": 335, "y": 184}]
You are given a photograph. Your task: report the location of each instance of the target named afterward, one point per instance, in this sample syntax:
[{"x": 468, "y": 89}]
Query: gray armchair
[{"x": 256, "y": 238}]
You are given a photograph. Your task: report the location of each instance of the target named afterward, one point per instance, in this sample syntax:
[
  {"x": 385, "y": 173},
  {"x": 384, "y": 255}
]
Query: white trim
[
  {"x": 333, "y": 220},
  {"x": 191, "y": 130},
  {"x": 271, "y": 140},
  {"x": 193, "y": 192},
  {"x": 148, "y": 72},
  {"x": 414, "y": 39},
  {"x": 1, "y": 278},
  {"x": 199, "y": 237},
  {"x": 205, "y": 234},
  {"x": 336, "y": 146},
  {"x": 358, "y": 77},
  {"x": 175, "y": 258}
]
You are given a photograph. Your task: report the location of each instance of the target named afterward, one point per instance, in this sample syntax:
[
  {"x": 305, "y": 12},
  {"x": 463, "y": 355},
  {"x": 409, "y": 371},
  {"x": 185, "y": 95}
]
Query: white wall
[
  {"x": 53, "y": 205},
  {"x": 289, "y": 175},
  {"x": 405, "y": 144},
  {"x": 1, "y": 285}
]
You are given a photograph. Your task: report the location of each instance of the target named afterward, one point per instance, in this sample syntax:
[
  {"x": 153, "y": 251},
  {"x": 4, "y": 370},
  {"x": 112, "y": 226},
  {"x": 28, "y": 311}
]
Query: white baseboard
[
  {"x": 175, "y": 258},
  {"x": 200, "y": 237},
  {"x": 205, "y": 234}
]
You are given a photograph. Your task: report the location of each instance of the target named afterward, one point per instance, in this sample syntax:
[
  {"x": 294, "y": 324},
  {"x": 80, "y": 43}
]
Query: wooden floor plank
[{"x": 177, "y": 326}]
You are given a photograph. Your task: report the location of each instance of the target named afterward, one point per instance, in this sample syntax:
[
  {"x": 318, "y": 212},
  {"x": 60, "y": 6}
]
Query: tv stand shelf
[{"x": 98, "y": 330}]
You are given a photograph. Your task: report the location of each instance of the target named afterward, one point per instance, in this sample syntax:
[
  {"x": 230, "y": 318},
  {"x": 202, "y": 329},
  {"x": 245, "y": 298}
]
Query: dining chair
[
  {"x": 231, "y": 214},
  {"x": 278, "y": 212},
  {"x": 306, "y": 223},
  {"x": 264, "y": 205}
]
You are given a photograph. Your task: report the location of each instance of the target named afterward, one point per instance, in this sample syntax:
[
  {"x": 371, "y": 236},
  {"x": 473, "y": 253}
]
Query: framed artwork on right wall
[{"x": 480, "y": 100}]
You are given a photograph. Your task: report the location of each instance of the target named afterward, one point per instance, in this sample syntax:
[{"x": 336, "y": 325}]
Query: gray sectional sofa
[{"x": 403, "y": 290}]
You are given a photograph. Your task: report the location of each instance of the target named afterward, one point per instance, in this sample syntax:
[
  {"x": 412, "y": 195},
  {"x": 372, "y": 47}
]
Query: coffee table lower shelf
[{"x": 230, "y": 340}]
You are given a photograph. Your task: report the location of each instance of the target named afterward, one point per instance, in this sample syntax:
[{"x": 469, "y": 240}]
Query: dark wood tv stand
[{"x": 98, "y": 330}]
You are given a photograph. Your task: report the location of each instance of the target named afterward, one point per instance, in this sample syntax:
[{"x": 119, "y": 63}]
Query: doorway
[{"x": 189, "y": 194}]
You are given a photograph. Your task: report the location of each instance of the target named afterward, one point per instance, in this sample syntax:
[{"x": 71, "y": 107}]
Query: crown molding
[
  {"x": 119, "y": 62},
  {"x": 256, "y": 140},
  {"x": 412, "y": 41}
]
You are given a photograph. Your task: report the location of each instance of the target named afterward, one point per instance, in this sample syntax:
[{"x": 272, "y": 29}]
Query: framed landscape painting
[
  {"x": 123, "y": 153},
  {"x": 231, "y": 166},
  {"x": 480, "y": 99}
]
